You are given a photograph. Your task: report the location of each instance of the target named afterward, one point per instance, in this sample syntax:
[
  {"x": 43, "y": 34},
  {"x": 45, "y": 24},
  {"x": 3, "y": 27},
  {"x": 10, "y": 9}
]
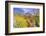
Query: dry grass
[{"x": 22, "y": 21}]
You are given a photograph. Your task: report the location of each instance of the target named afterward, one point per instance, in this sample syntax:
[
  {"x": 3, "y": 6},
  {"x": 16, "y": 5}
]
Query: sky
[{"x": 25, "y": 10}]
